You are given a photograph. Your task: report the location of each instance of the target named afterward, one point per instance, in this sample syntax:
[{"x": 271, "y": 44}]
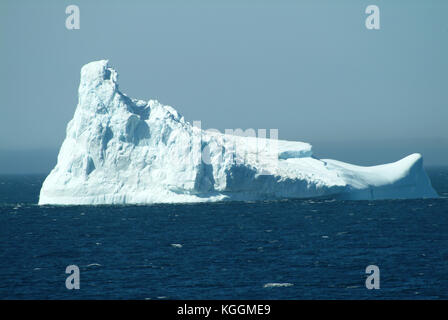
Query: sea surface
[{"x": 287, "y": 249}]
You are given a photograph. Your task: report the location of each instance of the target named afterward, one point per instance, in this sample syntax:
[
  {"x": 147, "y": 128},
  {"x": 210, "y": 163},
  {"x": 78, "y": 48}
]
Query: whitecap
[
  {"x": 277, "y": 285},
  {"x": 94, "y": 265}
]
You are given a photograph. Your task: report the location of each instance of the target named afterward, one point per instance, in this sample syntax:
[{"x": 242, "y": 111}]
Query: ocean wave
[{"x": 277, "y": 285}]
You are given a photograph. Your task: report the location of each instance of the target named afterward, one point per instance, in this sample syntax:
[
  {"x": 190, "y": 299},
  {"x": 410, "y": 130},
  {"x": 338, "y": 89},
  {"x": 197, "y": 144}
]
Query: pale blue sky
[{"x": 308, "y": 68}]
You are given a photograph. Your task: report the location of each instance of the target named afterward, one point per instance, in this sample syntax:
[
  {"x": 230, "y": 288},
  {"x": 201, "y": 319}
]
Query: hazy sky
[{"x": 308, "y": 68}]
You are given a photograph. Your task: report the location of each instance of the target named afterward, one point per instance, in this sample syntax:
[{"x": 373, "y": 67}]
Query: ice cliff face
[{"x": 120, "y": 150}]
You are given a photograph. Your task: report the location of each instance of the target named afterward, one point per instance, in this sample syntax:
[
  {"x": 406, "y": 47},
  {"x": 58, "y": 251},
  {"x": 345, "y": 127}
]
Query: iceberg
[{"x": 120, "y": 150}]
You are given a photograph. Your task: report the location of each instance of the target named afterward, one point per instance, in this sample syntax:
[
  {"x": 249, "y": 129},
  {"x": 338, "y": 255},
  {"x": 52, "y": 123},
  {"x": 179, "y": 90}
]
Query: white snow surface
[{"x": 120, "y": 150}]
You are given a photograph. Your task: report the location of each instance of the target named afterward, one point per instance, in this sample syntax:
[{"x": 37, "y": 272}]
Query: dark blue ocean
[{"x": 227, "y": 250}]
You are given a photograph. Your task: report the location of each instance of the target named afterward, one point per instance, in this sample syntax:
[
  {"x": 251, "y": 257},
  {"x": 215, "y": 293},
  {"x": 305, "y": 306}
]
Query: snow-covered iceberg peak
[{"x": 120, "y": 150}]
